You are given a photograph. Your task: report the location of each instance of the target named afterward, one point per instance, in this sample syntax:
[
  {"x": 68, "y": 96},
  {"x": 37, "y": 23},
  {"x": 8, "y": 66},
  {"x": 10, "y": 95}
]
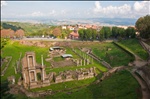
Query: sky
[{"x": 74, "y": 9}]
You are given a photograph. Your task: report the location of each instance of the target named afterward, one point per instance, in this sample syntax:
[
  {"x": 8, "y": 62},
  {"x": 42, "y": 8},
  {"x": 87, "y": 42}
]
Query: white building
[{"x": 64, "y": 27}]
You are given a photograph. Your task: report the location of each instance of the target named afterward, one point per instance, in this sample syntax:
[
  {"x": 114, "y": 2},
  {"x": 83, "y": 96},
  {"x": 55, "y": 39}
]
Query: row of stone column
[
  {"x": 86, "y": 58},
  {"x": 83, "y": 62}
]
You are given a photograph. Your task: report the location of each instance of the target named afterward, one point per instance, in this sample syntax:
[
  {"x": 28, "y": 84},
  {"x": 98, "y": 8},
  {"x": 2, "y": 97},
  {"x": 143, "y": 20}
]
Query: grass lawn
[
  {"x": 115, "y": 56},
  {"x": 65, "y": 85},
  {"x": 58, "y": 59},
  {"x": 14, "y": 49},
  {"x": 135, "y": 47},
  {"x": 119, "y": 86},
  {"x": 69, "y": 51}
]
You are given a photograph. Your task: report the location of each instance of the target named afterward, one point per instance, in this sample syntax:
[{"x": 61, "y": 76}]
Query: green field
[
  {"x": 134, "y": 46},
  {"x": 120, "y": 85},
  {"x": 115, "y": 56}
]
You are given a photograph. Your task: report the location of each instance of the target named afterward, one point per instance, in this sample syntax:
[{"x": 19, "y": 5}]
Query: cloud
[
  {"x": 142, "y": 8},
  {"x": 36, "y": 14},
  {"x": 143, "y": 5},
  {"x": 97, "y": 4},
  {"x": 3, "y": 3},
  {"x": 109, "y": 10},
  {"x": 138, "y": 9}
]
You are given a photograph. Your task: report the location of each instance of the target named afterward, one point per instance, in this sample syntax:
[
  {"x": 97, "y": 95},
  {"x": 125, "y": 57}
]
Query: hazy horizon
[
  {"x": 117, "y": 12},
  {"x": 74, "y": 9}
]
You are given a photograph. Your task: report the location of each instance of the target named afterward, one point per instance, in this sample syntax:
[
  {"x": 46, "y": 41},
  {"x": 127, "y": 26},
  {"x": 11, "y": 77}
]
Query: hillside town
[
  {"x": 71, "y": 31},
  {"x": 75, "y": 50}
]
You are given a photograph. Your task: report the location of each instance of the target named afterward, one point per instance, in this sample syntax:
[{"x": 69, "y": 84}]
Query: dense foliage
[
  {"x": 9, "y": 26},
  {"x": 106, "y": 33},
  {"x": 89, "y": 34},
  {"x": 3, "y": 42},
  {"x": 143, "y": 26}
]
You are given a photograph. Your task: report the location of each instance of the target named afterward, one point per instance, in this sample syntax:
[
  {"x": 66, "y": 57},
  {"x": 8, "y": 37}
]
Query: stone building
[{"x": 34, "y": 75}]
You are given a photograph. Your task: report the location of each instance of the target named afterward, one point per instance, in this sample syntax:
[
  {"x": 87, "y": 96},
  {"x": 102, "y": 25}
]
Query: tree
[
  {"x": 94, "y": 34},
  {"x": 101, "y": 34},
  {"x": 19, "y": 33},
  {"x": 107, "y": 32},
  {"x": 114, "y": 32},
  {"x": 57, "y": 32},
  {"x": 130, "y": 32},
  {"x": 3, "y": 42},
  {"x": 121, "y": 32},
  {"x": 143, "y": 26},
  {"x": 7, "y": 33},
  {"x": 81, "y": 34}
]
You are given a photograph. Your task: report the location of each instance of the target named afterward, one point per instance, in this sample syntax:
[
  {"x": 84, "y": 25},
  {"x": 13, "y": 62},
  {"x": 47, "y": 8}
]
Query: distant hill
[
  {"x": 27, "y": 27},
  {"x": 9, "y": 26}
]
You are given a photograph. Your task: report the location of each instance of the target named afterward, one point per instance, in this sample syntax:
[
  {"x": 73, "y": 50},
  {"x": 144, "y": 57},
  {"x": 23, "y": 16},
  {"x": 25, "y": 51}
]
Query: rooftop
[{"x": 66, "y": 55}]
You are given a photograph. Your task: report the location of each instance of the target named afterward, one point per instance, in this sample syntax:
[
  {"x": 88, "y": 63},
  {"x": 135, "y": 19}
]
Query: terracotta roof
[{"x": 74, "y": 34}]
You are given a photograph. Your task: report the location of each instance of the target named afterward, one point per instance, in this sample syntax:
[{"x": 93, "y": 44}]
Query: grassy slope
[
  {"x": 119, "y": 57},
  {"x": 119, "y": 86},
  {"x": 135, "y": 47}
]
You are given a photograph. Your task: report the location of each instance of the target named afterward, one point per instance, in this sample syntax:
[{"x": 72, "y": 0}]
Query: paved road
[
  {"x": 48, "y": 39},
  {"x": 57, "y": 39}
]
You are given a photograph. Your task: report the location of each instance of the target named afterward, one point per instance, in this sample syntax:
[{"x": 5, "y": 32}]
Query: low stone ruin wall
[{"x": 3, "y": 72}]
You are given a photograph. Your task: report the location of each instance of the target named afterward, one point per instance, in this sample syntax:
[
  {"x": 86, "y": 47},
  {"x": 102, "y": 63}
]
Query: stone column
[
  {"x": 35, "y": 76},
  {"x": 30, "y": 76},
  {"x": 28, "y": 62},
  {"x": 84, "y": 62},
  {"x": 43, "y": 74},
  {"x": 42, "y": 60},
  {"x": 81, "y": 62},
  {"x": 87, "y": 61},
  {"x": 77, "y": 62},
  {"x": 24, "y": 77},
  {"x": 33, "y": 59}
]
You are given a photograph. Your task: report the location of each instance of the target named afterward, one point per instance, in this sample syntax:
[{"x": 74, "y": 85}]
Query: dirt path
[
  {"x": 146, "y": 47},
  {"x": 144, "y": 87},
  {"x": 138, "y": 62}
]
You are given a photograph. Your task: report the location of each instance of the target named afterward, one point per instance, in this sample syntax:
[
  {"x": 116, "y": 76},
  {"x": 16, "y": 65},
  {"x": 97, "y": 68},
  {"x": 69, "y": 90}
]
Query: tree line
[
  {"x": 9, "y": 26},
  {"x": 106, "y": 32}
]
